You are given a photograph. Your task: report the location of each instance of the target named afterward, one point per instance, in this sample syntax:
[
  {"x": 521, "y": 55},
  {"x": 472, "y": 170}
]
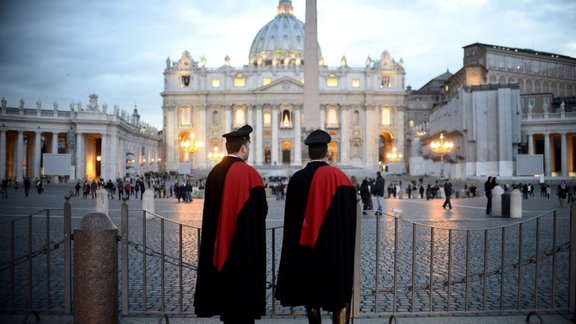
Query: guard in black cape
[
  {"x": 231, "y": 278},
  {"x": 317, "y": 262}
]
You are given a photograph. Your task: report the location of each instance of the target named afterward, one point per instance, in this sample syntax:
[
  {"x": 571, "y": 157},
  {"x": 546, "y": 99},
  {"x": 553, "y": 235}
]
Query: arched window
[
  {"x": 355, "y": 118},
  {"x": 239, "y": 118},
  {"x": 385, "y": 118},
  {"x": 333, "y": 152},
  {"x": 185, "y": 116},
  {"x": 332, "y": 118},
  {"x": 286, "y": 120},
  {"x": 215, "y": 118}
]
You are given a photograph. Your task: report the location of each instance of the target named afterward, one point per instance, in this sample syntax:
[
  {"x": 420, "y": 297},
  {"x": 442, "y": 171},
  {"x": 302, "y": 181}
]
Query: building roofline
[{"x": 522, "y": 50}]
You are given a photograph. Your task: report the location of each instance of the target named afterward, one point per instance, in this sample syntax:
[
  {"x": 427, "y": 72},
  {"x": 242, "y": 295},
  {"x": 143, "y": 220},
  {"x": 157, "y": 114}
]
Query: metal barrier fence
[
  {"x": 422, "y": 269},
  {"x": 403, "y": 267},
  {"x": 33, "y": 246}
]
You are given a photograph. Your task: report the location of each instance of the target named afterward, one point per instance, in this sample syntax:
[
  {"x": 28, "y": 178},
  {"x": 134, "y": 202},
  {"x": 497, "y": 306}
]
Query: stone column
[
  {"x": 37, "y": 151},
  {"x": 547, "y": 167},
  {"x": 113, "y": 156},
  {"x": 54, "y": 145},
  {"x": 3, "y": 161},
  {"x": 564, "y": 154},
  {"x": 19, "y": 155},
  {"x": 531, "y": 144},
  {"x": 274, "y": 159},
  {"x": 105, "y": 157},
  {"x": 297, "y": 135},
  {"x": 323, "y": 117},
  {"x": 170, "y": 138},
  {"x": 259, "y": 151},
  {"x": 250, "y": 121},
  {"x": 344, "y": 148},
  {"x": 228, "y": 119},
  {"x": 80, "y": 162}
]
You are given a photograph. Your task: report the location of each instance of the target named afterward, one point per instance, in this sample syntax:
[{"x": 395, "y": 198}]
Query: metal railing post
[
  {"x": 356, "y": 287},
  {"x": 572, "y": 297},
  {"x": 124, "y": 252},
  {"x": 67, "y": 256}
]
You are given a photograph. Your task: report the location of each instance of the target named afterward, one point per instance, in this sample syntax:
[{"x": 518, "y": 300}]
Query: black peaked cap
[
  {"x": 242, "y": 133},
  {"x": 318, "y": 137}
]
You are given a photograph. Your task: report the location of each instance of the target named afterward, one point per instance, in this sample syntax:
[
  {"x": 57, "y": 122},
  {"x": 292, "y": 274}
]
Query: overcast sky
[{"x": 64, "y": 50}]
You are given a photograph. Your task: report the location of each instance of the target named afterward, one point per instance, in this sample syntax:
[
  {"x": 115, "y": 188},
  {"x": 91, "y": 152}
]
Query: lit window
[
  {"x": 239, "y": 80},
  {"x": 215, "y": 83},
  {"x": 239, "y": 118},
  {"x": 185, "y": 81},
  {"x": 286, "y": 120},
  {"x": 332, "y": 81},
  {"x": 332, "y": 118},
  {"x": 411, "y": 123},
  {"x": 355, "y": 83},
  {"x": 267, "y": 119},
  {"x": 266, "y": 81},
  {"x": 185, "y": 116},
  {"x": 385, "y": 82},
  {"x": 385, "y": 116}
]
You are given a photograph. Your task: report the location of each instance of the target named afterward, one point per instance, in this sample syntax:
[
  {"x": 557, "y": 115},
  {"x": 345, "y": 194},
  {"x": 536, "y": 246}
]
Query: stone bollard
[
  {"x": 516, "y": 204},
  {"x": 96, "y": 270},
  {"x": 148, "y": 203},
  {"x": 497, "y": 201},
  {"x": 102, "y": 205}
]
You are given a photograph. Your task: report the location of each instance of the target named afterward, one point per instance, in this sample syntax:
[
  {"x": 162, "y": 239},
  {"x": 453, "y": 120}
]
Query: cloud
[{"x": 65, "y": 50}]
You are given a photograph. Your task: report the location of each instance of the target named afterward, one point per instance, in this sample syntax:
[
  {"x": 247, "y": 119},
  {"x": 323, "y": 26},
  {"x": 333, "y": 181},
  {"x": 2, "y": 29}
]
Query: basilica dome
[{"x": 280, "y": 41}]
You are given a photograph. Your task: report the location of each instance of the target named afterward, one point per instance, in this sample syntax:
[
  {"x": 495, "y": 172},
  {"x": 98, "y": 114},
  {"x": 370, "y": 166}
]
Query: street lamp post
[{"x": 442, "y": 147}]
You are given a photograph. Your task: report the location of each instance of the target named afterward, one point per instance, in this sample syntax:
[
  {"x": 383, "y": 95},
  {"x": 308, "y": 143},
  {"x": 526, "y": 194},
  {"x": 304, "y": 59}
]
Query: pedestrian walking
[
  {"x": 4, "y": 188},
  {"x": 231, "y": 278},
  {"x": 562, "y": 192},
  {"x": 379, "y": 192},
  {"x": 365, "y": 196},
  {"x": 447, "y": 194},
  {"x": 93, "y": 188},
  {"x": 27, "y": 185},
  {"x": 77, "y": 189},
  {"x": 317, "y": 260},
  {"x": 488, "y": 192}
]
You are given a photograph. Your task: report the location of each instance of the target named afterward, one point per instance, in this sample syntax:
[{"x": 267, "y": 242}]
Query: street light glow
[{"x": 442, "y": 147}]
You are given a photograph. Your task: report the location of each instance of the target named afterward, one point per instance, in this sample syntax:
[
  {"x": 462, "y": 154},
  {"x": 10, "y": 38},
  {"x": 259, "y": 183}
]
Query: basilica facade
[{"x": 361, "y": 107}]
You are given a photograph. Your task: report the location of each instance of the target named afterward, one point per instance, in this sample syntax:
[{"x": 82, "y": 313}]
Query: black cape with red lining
[
  {"x": 238, "y": 289},
  {"x": 320, "y": 275}
]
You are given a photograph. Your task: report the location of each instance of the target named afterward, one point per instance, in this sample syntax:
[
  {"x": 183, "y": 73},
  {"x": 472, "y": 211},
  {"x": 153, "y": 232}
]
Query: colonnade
[
  {"x": 21, "y": 150},
  {"x": 560, "y": 162},
  {"x": 92, "y": 155}
]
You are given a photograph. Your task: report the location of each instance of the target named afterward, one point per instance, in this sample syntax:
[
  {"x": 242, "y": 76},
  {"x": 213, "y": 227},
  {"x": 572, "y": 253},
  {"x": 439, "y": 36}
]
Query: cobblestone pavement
[{"x": 463, "y": 226}]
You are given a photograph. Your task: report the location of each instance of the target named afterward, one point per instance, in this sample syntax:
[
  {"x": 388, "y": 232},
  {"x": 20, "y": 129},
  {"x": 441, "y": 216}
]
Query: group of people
[
  {"x": 316, "y": 263},
  {"x": 6, "y": 184},
  {"x": 371, "y": 187},
  {"x": 124, "y": 189}
]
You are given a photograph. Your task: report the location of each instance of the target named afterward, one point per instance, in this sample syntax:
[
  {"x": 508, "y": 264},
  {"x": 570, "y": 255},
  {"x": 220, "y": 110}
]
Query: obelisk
[{"x": 311, "y": 110}]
